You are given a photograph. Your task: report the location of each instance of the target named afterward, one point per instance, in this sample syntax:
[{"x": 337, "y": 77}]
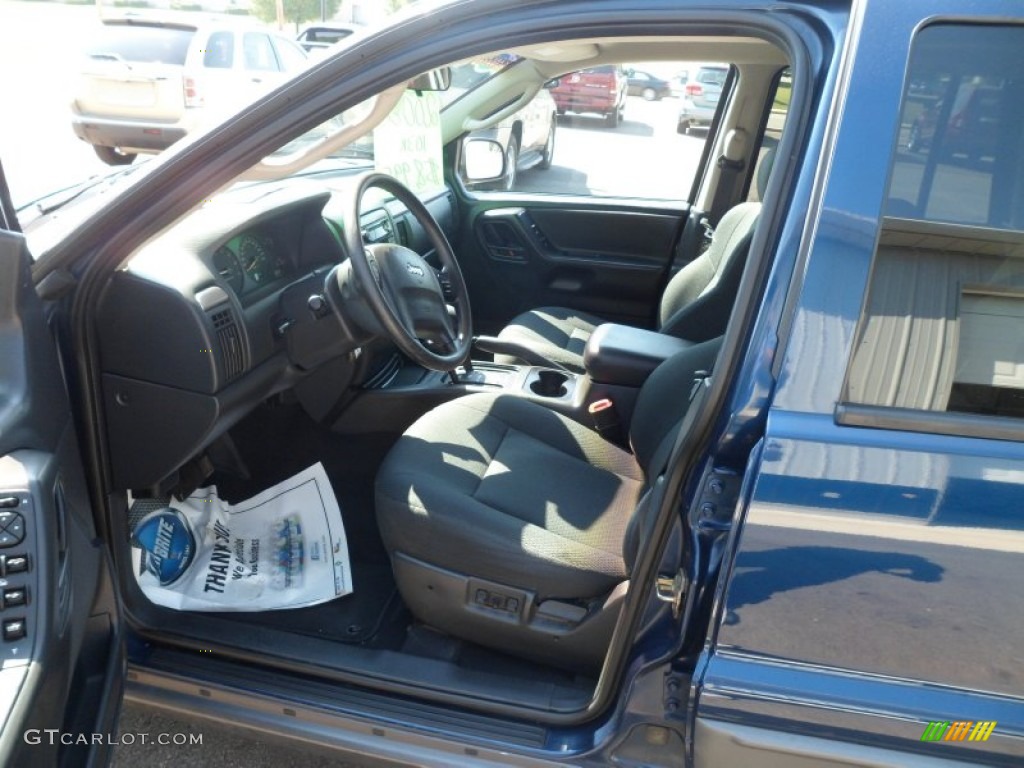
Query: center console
[
  {"x": 534, "y": 382},
  {"x": 618, "y": 359}
]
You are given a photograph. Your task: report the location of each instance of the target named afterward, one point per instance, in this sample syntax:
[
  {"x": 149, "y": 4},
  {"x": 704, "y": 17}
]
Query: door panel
[
  {"x": 60, "y": 646},
  {"x": 610, "y": 260}
]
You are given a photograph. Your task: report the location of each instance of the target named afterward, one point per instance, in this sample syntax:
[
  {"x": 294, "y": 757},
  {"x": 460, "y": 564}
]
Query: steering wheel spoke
[
  {"x": 409, "y": 297},
  {"x": 447, "y": 337}
]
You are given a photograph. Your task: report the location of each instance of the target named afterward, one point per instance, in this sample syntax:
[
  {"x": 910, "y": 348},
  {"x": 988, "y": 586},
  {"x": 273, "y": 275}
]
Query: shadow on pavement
[{"x": 596, "y": 123}]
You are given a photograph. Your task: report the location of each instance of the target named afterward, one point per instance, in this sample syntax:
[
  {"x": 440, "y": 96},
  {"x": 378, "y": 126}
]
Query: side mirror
[
  {"x": 552, "y": 83},
  {"x": 630, "y": 72},
  {"x": 483, "y": 160},
  {"x": 433, "y": 80}
]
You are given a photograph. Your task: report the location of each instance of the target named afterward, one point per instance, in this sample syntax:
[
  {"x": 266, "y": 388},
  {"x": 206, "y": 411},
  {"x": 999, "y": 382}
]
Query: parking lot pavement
[
  {"x": 642, "y": 157},
  {"x": 219, "y": 747}
]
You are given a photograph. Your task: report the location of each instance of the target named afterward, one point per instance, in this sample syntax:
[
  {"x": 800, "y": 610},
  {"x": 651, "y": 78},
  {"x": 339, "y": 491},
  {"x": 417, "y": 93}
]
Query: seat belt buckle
[{"x": 606, "y": 419}]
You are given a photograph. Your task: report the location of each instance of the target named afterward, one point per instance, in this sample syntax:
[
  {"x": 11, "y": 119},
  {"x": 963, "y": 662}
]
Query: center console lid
[{"x": 619, "y": 354}]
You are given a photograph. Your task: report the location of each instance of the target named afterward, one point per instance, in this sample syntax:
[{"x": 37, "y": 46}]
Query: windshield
[
  {"x": 401, "y": 137},
  {"x": 114, "y": 86},
  {"x": 507, "y": 109},
  {"x": 472, "y": 73}
]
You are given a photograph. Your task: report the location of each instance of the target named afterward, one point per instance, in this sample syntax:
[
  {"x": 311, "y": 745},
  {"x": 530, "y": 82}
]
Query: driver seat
[{"x": 515, "y": 527}]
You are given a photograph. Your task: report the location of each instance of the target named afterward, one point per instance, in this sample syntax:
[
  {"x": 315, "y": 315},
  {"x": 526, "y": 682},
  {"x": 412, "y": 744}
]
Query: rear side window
[
  {"x": 960, "y": 122},
  {"x": 259, "y": 53},
  {"x": 139, "y": 43},
  {"x": 943, "y": 325},
  {"x": 220, "y": 51},
  {"x": 712, "y": 75}
]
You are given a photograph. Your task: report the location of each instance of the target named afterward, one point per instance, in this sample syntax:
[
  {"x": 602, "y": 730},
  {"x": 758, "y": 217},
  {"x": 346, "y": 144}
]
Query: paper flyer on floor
[{"x": 283, "y": 548}]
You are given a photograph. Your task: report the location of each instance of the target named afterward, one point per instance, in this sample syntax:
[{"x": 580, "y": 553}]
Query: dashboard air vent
[
  {"x": 402, "y": 227},
  {"x": 230, "y": 342}
]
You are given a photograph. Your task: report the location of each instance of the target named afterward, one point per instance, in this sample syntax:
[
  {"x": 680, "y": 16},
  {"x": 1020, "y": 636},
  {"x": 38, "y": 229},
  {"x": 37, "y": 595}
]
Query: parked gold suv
[{"x": 146, "y": 82}]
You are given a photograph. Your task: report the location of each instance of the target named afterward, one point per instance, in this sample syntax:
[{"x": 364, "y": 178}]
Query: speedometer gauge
[
  {"x": 228, "y": 268},
  {"x": 260, "y": 258},
  {"x": 254, "y": 257}
]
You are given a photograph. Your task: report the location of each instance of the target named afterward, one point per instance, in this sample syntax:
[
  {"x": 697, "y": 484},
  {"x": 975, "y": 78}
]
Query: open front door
[{"x": 61, "y": 656}]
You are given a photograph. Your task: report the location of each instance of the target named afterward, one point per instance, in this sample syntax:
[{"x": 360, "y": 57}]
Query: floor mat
[
  {"x": 277, "y": 441},
  {"x": 355, "y": 618}
]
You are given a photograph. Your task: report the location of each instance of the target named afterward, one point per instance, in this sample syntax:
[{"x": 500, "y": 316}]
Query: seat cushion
[
  {"x": 500, "y": 488},
  {"x": 557, "y": 333}
]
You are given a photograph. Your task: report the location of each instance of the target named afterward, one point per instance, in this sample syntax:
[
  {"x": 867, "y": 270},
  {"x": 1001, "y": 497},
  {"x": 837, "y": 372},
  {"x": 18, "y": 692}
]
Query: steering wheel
[{"x": 403, "y": 291}]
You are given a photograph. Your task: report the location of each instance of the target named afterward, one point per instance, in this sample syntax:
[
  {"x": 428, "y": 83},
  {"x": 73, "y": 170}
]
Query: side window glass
[
  {"x": 943, "y": 325},
  {"x": 590, "y": 133},
  {"x": 259, "y": 54},
  {"x": 772, "y": 133},
  {"x": 220, "y": 51},
  {"x": 290, "y": 55}
]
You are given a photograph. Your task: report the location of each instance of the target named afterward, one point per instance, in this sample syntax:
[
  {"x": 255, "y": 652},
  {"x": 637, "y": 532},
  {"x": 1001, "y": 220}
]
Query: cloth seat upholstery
[
  {"x": 695, "y": 304},
  {"x": 498, "y": 487}
]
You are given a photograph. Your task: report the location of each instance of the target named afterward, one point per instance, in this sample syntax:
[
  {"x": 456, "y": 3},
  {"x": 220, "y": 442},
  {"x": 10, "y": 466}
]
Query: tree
[{"x": 296, "y": 11}]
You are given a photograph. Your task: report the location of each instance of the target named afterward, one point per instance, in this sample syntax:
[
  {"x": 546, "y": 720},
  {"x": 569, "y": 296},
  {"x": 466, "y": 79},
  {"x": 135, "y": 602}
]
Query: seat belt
[
  {"x": 731, "y": 163},
  {"x": 700, "y": 227}
]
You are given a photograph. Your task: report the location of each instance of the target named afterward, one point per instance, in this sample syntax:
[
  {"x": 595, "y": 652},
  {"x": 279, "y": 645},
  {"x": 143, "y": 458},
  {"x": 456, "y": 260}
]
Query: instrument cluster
[{"x": 250, "y": 261}]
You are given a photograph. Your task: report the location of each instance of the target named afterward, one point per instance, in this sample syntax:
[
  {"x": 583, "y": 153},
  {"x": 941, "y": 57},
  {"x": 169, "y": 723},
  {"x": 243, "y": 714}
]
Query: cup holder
[{"x": 550, "y": 384}]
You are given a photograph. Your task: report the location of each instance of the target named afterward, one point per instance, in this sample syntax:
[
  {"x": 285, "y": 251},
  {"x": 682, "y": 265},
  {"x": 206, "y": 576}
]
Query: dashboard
[
  {"x": 213, "y": 316},
  {"x": 249, "y": 261}
]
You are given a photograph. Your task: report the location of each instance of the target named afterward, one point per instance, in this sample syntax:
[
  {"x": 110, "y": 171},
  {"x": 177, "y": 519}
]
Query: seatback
[
  {"x": 663, "y": 402},
  {"x": 698, "y": 300},
  {"x": 658, "y": 416}
]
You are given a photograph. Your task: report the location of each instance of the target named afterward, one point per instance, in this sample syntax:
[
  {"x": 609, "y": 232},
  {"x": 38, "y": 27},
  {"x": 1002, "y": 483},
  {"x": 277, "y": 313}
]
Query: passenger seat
[{"x": 695, "y": 305}]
